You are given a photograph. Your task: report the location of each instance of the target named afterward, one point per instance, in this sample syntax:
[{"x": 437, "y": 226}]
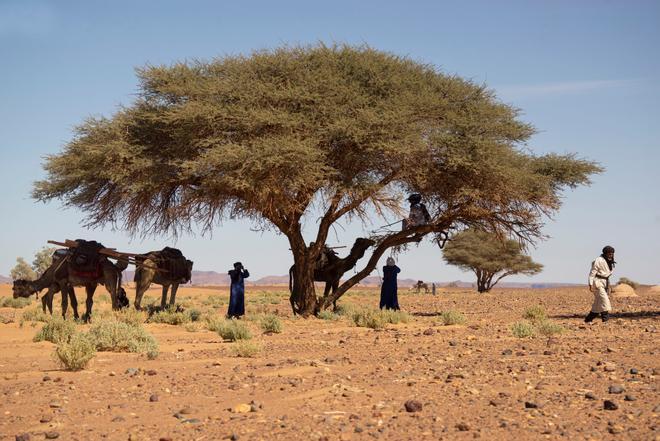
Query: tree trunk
[{"x": 303, "y": 294}]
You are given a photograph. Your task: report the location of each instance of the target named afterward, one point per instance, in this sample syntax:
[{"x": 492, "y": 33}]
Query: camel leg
[
  {"x": 163, "y": 297},
  {"x": 334, "y": 290},
  {"x": 73, "y": 300},
  {"x": 46, "y": 304},
  {"x": 65, "y": 302},
  {"x": 89, "y": 302},
  {"x": 175, "y": 287}
]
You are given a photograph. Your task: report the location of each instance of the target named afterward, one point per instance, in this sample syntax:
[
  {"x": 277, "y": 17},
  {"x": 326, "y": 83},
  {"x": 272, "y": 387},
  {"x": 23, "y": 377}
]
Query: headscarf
[
  {"x": 610, "y": 262},
  {"x": 390, "y": 261}
]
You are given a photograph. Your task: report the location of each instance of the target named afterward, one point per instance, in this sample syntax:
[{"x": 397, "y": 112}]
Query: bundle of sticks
[{"x": 110, "y": 252}]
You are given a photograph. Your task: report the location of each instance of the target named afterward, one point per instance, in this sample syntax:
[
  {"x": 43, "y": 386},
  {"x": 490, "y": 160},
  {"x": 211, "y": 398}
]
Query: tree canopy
[
  {"x": 22, "y": 270},
  {"x": 276, "y": 134},
  {"x": 489, "y": 256}
]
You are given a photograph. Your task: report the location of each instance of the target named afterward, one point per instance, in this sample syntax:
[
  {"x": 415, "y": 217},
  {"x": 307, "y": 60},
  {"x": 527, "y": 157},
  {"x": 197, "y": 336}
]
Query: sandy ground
[{"x": 322, "y": 379}]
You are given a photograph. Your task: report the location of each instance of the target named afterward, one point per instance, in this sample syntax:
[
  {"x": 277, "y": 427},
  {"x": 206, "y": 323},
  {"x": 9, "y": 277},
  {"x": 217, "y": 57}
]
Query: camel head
[
  {"x": 189, "y": 267},
  {"x": 360, "y": 246},
  {"x": 23, "y": 288}
]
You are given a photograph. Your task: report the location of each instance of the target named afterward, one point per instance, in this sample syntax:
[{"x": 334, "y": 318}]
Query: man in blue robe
[
  {"x": 237, "y": 291},
  {"x": 388, "y": 291}
]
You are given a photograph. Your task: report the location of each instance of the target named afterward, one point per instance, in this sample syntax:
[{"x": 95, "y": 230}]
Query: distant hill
[{"x": 4, "y": 279}]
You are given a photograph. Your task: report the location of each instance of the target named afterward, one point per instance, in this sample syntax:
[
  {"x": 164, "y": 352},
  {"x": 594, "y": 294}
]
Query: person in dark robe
[
  {"x": 237, "y": 291},
  {"x": 388, "y": 291}
]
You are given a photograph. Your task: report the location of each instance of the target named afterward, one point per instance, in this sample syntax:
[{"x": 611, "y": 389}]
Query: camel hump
[{"x": 171, "y": 253}]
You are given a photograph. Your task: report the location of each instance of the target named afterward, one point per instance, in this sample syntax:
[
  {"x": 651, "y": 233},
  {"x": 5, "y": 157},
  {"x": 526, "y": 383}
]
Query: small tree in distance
[
  {"x": 22, "y": 270},
  {"x": 489, "y": 257},
  {"x": 42, "y": 260}
]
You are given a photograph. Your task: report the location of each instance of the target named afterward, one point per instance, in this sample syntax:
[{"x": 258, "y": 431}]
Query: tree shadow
[{"x": 622, "y": 315}]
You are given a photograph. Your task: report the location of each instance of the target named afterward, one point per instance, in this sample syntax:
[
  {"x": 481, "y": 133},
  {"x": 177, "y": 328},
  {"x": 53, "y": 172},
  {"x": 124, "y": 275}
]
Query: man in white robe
[{"x": 599, "y": 284}]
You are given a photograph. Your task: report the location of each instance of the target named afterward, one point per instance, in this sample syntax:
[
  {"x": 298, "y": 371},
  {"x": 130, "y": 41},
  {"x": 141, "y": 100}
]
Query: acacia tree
[
  {"x": 42, "y": 260},
  {"x": 488, "y": 256},
  {"x": 282, "y": 133},
  {"x": 22, "y": 270}
]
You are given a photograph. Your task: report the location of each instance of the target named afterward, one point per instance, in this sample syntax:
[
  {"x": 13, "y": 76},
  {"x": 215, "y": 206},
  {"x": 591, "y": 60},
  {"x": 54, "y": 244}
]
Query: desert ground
[{"x": 332, "y": 380}]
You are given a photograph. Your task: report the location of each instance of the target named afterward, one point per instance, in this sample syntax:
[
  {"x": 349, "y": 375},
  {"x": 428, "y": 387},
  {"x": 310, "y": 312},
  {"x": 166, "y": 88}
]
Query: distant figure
[
  {"x": 237, "y": 291},
  {"x": 433, "y": 288},
  {"x": 388, "y": 294},
  {"x": 419, "y": 215},
  {"x": 599, "y": 284}
]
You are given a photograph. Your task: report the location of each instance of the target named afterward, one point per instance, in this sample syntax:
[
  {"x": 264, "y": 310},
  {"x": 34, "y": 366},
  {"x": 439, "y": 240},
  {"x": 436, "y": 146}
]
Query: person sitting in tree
[{"x": 419, "y": 215}]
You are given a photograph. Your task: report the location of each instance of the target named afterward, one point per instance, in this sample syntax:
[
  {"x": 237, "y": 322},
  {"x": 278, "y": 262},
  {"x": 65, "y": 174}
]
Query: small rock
[
  {"x": 413, "y": 406},
  {"x": 57, "y": 379},
  {"x": 132, "y": 371},
  {"x": 186, "y": 411},
  {"x": 530, "y": 405},
  {"x": 254, "y": 408},
  {"x": 112, "y": 374},
  {"x": 429, "y": 331},
  {"x": 547, "y": 352},
  {"x": 616, "y": 389},
  {"x": 462, "y": 427},
  {"x": 165, "y": 438},
  {"x": 614, "y": 429},
  {"x": 191, "y": 421},
  {"x": 118, "y": 419},
  {"x": 495, "y": 403},
  {"x": 153, "y": 398},
  {"x": 610, "y": 349},
  {"x": 634, "y": 371},
  {"x": 55, "y": 404},
  {"x": 507, "y": 352},
  {"x": 610, "y": 405},
  {"x": 590, "y": 396},
  {"x": 233, "y": 437},
  {"x": 453, "y": 343},
  {"x": 46, "y": 378},
  {"x": 46, "y": 419},
  {"x": 609, "y": 367},
  {"x": 52, "y": 435},
  {"x": 23, "y": 437},
  {"x": 630, "y": 398},
  {"x": 151, "y": 372},
  {"x": 358, "y": 429},
  {"x": 242, "y": 408}
]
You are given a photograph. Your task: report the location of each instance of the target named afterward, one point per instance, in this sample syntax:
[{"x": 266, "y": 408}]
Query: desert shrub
[
  {"x": 328, "y": 315},
  {"x": 194, "y": 314},
  {"x": 368, "y": 318},
  {"x": 394, "y": 316},
  {"x": 629, "y": 282},
  {"x": 270, "y": 323},
  {"x": 214, "y": 323},
  {"x": 75, "y": 354},
  {"x": 192, "y": 327},
  {"x": 170, "y": 316},
  {"x": 213, "y": 301},
  {"x": 233, "y": 330},
  {"x": 102, "y": 298},
  {"x": 246, "y": 349},
  {"x": 452, "y": 317},
  {"x": 114, "y": 336},
  {"x": 10, "y": 302},
  {"x": 536, "y": 313},
  {"x": 130, "y": 316},
  {"x": 345, "y": 310},
  {"x": 34, "y": 315},
  {"x": 522, "y": 329},
  {"x": 56, "y": 330},
  {"x": 548, "y": 328}
]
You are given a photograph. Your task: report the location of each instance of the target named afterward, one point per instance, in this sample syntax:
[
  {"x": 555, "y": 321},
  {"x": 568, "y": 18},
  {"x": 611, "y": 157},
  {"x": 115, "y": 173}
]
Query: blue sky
[{"x": 586, "y": 74}]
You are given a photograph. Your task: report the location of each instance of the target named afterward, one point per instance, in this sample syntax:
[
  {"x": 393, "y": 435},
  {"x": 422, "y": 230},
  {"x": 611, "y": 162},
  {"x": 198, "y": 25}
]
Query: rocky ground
[{"x": 325, "y": 379}]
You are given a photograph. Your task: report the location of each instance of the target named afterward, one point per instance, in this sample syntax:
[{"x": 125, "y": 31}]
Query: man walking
[{"x": 599, "y": 284}]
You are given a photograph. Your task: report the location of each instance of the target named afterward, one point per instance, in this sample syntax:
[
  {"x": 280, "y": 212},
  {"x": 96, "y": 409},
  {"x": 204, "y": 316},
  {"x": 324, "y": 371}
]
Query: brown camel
[
  {"x": 25, "y": 288},
  {"x": 417, "y": 287},
  {"x": 334, "y": 269},
  {"x": 167, "y": 267}
]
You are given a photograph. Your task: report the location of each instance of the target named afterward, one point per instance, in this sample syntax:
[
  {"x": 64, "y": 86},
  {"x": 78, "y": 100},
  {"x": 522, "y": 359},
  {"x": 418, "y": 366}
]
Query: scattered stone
[
  {"x": 495, "y": 402},
  {"x": 634, "y": 371},
  {"x": 616, "y": 389},
  {"x": 609, "y": 367},
  {"x": 462, "y": 427},
  {"x": 118, "y": 419},
  {"x": 413, "y": 406},
  {"x": 614, "y": 429},
  {"x": 610, "y": 349},
  {"x": 23, "y": 437},
  {"x": 151, "y": 372},
  {"x": 630, "y": 398},
  {"x": 358, "y": 429},
  {"x": 46, "y": 419},
  {"x": 165, "y": 438},
  {"x": 55, "y": 404},
  {"x": 453, "y": 343},
  {"x": 610, "y": 405},
  {"x": 46, "y": 378},
  {"x": 112, "y": 373},
  {"x": 186, "y": 411},
  {"x": 153, "y": 398},
  {"x": 590, "y": 396},
  {"x": 190, "y": 421},
  {"x": 242, "y": 408},
  {"x": 233, "y": 437},
  {"x": 429, "y": 331},
  {"x": 547, "y": 352},
  {"x": 52, "y": 435},
  {"x": 530, "y": 405},
  {"x": 132, "y": 371},
  {"x": 507, "y": 352}
]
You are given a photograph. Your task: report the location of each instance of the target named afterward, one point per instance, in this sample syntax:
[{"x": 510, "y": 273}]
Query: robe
[
  {"x": 599, "y": 284},
  {"x": 237, "y": 293},
  {"x": 388, "y": 291}
]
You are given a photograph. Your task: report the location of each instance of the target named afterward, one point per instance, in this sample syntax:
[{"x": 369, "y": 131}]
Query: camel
[
  {"x": 419, "y": 286},
  {"x": 331, "y": 272},
  {"x": 60, "y": 277},
  {"x": 167, "y": 267}
]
